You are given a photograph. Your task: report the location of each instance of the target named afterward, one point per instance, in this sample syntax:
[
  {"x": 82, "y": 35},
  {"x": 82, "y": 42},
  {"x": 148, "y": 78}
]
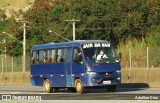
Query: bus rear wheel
[
  {"x": 79, "y": 87},
  {"x": 111, "y": 88},
  {"x": 47, "y": 86}
]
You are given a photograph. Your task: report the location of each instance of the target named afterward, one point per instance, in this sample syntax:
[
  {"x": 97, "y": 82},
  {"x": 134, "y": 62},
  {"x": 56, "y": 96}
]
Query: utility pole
[
  {"x": 5, "y": 51},
  {"x": 24, "y": 45},
  {"x": 73, "y": 23},
  {"x": 3, "y": 42}
]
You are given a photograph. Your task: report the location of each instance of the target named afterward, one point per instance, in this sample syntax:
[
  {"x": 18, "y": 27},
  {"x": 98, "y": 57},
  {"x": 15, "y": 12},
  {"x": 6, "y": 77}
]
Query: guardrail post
[
  {"x": 12, "y": 64},
  {"x": 130, "y": 58},
  {"x": 147, "y": 59},
  {"x": 2, "y": 65}
]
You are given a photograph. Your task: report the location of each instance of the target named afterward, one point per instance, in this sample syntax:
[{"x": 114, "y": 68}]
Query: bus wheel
[
  {"x": 111, "y": 88},
  {"x": 79, "y": 87},
  {"x": 47, "y": 86}
]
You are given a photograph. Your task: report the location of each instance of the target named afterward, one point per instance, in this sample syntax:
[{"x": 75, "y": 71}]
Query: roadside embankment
[
  {"x": 140, "y": 77},
  {"x": 15, "y": 79}
]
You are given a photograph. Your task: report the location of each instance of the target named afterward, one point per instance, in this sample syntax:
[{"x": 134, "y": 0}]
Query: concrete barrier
[
  {"x": 140, "y": 77},
  {"x": 148, "y": 76},
  {"x": 15, "y": 79}
]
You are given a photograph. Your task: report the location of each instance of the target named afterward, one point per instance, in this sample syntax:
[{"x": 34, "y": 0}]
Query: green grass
[{"x": 14, "y": 2}]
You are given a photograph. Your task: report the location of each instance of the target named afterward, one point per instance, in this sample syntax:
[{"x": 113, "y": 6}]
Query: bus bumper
[{"x": 98, "y": 80}]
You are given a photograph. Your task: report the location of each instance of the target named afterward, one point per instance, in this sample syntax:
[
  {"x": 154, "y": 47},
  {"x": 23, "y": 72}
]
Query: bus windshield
[{"x": 102, "y": 54}]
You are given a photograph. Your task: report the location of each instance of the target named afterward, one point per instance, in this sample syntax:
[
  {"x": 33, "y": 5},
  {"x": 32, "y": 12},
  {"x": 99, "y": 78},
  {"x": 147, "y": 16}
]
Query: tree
[{"x": 117, "y": 21}]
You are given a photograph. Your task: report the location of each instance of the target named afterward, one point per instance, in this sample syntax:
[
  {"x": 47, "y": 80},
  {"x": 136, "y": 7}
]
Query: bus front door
[{"x": 69, "y": 78}]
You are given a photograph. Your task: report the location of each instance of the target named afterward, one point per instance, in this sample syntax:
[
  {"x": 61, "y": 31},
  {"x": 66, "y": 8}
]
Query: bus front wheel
[
  {"x": 79, "y": 87},
  {"x": 47, "y": 86}
]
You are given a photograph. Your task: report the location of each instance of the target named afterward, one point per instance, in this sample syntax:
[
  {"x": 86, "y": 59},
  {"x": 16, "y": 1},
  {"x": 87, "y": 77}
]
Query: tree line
[{"x": 117, "y": 21}]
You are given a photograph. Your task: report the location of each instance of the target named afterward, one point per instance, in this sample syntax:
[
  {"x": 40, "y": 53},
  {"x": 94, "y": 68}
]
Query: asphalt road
[{"x": 36, "y": 93}]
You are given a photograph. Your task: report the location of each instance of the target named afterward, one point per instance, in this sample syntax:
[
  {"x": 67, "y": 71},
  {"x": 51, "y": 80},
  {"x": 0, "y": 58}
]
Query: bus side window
[
  {"x": 61, "y": 55},
  {"x": 37, "y": 57},
  {"x": 58, "y": 56},
  {"x": 33, "y": 58},
  {"x": 77, "y": 56},
  {"x": 51, "y": 56},
  {"x": 68, "y": 54},
  {"x": 41, "y": 57},
  {"x": 45, "y": 57}
]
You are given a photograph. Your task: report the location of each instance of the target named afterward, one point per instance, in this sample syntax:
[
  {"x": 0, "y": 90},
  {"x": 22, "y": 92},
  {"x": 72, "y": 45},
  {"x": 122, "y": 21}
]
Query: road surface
[{"x": 122, "y": 94}]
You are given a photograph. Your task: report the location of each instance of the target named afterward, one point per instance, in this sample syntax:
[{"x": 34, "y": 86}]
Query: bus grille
[{"x": 106, "y": 73}]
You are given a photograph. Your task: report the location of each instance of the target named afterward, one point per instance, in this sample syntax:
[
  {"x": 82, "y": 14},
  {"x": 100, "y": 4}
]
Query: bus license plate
[{"x": 106, "y": 82}]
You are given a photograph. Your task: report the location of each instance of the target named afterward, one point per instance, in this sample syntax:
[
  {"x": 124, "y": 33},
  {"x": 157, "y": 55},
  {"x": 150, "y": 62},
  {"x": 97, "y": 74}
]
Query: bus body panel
[
  {"x": 104, "y": 68},
  {"x": 104, "y": 73},
  {"x": 78, "y": 71},
  {"x": 69, "y": 77},
  {"x": 46, "y": 71}
]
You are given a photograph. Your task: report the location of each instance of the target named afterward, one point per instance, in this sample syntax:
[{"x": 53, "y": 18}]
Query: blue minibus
[{"x": 75, "y": 65}]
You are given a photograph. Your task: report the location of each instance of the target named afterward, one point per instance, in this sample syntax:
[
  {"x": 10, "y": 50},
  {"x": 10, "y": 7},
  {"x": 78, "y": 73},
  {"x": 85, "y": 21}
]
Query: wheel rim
[
  {"x": 79, "y": 87},
  {"x": 47, "y": 86}
]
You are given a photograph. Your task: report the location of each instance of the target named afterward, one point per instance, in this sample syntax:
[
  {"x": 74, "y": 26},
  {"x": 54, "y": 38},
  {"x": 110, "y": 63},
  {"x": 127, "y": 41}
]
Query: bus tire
[
  {"x": 79, "y": 87},
  {"x": 47, "y": 86},
  {"x": 111, "y": 88}
]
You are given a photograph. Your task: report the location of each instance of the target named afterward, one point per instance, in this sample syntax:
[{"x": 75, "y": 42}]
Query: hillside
[
  {"x": 22, "y": 3},
  {"x": 12, "y": 8}
]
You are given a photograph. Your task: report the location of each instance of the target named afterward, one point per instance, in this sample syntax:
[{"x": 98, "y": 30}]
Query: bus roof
[{"x": 66, "y": 44}]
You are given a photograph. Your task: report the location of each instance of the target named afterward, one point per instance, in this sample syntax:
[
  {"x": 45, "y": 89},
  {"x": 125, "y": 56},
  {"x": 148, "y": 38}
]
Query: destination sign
[{"x": 91, "y": 45}]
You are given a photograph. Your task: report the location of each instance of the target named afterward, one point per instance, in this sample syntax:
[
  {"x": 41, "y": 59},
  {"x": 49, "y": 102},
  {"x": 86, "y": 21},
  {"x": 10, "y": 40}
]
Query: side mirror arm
[{"x": 120, "y": 56}]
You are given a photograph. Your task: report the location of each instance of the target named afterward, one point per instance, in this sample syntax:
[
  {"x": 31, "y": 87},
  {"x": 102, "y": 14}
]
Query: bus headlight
[
  {"x": 118, "y": 71},
  {"x": 118, "y": 78},
  {"x": 90, "y": 72}
]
